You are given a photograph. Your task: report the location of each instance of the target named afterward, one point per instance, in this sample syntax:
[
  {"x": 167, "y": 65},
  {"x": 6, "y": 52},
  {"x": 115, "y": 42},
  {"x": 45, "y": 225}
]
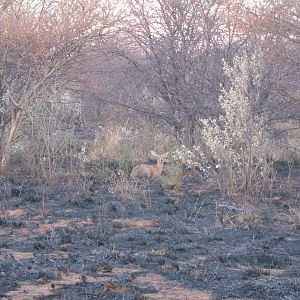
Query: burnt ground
[{"x": 122, "y": 241}]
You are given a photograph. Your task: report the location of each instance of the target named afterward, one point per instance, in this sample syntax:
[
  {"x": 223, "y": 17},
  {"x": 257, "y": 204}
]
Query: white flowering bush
[
  {"x": 236, "y": 145},
  {"x": 186, "y": 156},
  {"x": 192, "y": 158},
  {"x": 19, "y": 148}
]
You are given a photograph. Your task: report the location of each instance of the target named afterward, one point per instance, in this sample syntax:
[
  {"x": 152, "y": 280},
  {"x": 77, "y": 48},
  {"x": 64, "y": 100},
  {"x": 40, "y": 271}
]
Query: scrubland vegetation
[{"x": 91, "y": 89}]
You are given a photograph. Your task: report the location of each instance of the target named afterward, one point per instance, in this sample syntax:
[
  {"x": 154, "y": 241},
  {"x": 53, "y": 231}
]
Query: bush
[
  {"x": 173, "y": 177},
  {"x": 236, "y": 145},
  {"x": 48, "y": 143}
]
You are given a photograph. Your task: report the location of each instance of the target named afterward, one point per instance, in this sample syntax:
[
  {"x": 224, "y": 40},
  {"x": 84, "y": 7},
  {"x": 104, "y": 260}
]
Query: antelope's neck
[{"x": 160, "y": 165}]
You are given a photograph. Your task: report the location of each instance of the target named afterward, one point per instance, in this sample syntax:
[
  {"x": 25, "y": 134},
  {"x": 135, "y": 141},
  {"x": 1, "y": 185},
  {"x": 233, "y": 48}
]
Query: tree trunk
[
  {"x": 192, "y": 129},
  {"x": 178, "y": 128},
  {"x": 6, "y": 151}
]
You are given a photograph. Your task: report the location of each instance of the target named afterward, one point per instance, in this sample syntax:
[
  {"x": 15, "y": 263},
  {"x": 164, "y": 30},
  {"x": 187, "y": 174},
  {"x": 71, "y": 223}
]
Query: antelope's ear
[
  {"x": 153, "y": 153},
  {"x": 165, "y": 155}
]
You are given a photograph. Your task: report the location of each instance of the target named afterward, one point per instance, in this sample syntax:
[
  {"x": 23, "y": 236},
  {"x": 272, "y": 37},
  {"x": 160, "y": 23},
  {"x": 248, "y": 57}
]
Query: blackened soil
[{"x": 64, "y": 242}]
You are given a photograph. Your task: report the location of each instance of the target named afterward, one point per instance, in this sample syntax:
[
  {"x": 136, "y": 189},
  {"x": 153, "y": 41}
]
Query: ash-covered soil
[{"x": 147, "y": 242}]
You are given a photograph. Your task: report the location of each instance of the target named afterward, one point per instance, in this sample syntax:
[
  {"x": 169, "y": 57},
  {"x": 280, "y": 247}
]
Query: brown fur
[{"x": 150, "y": 171}]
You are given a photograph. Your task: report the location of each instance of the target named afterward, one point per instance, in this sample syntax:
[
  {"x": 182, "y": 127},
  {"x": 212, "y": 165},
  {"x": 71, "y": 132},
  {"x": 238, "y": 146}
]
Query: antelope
[{"x": 151, "y": 171}]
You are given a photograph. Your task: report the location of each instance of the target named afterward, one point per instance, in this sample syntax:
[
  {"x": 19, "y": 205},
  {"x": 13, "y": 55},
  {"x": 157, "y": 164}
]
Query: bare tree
[
  {"x": 274, "y": 27},
  {"x": 38, "y": 41},
  {"x": 176, "y": 48}
]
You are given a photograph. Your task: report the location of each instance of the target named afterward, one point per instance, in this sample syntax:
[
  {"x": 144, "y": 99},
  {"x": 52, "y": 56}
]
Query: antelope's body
[{"x": 150, "y": 171}]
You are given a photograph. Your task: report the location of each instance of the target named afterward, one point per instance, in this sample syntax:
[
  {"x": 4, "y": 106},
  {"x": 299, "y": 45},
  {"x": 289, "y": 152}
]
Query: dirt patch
[{"x": 169, "y": 290}]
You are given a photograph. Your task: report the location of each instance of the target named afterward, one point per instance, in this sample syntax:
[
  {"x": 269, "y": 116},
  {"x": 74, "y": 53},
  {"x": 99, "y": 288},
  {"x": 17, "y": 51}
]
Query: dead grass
[
  {"x": 294, "y": 216},
  {"x": 231, "y": 216},
  {"x": 126, "y": 189}
]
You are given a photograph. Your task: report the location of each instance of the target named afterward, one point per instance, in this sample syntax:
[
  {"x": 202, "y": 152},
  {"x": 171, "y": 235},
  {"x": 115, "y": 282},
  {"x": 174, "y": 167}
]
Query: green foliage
[
  {"x": 173, "y": 176},
  {"x": 124, "y": 162}
]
